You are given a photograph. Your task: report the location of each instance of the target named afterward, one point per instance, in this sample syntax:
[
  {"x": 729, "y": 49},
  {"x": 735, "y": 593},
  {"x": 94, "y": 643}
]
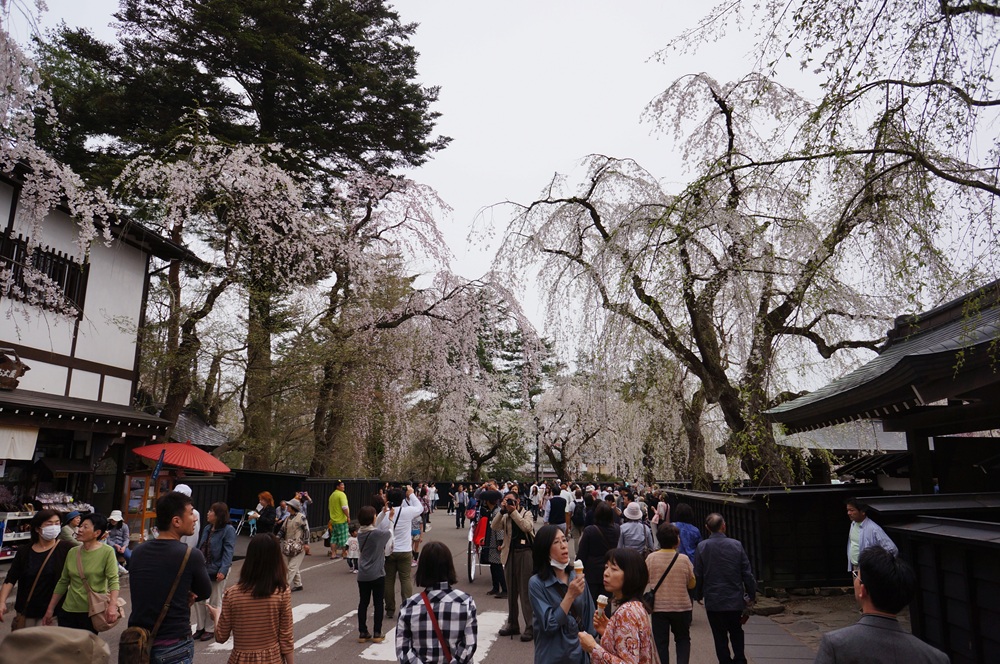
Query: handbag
[
  {"x": 135, "y": 645},
  {"x": 437, "y": 628},
  {"x": 21, "y": 620},
  {"x": 470, "y": 513},
  {"x": 97, "y": 603},
  {"x": 649, "y": 597}
]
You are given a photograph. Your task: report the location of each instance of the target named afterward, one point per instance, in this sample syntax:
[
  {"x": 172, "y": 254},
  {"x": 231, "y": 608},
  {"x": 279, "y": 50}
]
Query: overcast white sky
[{"x": 528, "y": 89}]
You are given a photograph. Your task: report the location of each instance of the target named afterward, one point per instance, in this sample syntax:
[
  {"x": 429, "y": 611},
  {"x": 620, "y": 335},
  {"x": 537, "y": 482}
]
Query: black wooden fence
[
  {"x": 794, "y": 536},
  {"x": 957, "y": 605}
]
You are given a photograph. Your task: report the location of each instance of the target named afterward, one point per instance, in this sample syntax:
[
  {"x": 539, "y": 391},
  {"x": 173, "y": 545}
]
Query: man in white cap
[{"x": 190, "y": 540}]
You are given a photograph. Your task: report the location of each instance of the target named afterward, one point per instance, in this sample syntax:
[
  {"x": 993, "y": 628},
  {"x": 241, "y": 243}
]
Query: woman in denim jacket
[{"x": 217, "y": 542}]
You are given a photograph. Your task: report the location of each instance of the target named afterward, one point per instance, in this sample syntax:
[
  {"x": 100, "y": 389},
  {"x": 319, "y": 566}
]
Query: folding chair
[{"x": 237, "y": 518}]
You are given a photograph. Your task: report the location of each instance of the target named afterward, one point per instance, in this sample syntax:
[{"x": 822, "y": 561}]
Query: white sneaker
[
  {"x": 122, "y": 571},
  {"x": 355, "y": 571}
]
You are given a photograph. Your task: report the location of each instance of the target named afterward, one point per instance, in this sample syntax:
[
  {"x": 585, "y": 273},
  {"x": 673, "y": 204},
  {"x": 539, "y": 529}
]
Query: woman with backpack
[{"x": 635, "y": 534}]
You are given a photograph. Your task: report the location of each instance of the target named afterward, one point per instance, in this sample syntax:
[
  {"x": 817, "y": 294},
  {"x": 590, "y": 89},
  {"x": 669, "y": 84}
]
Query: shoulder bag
[
  {"x": 390, "y": 546},
  {"x": 290, "y": 547},
  {"x": 20, "y": 620},
  {"x": 437, "y": 628},
  {"x": 136, "y": 643},
  {"x": 97, "y": 603},
  {"x": 649, "y": 597}
]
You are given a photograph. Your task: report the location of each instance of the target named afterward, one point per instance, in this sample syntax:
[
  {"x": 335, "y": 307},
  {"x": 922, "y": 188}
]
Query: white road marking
[
  {"x": 488, "y": 625},
  {"x": 323, "y": 630}
]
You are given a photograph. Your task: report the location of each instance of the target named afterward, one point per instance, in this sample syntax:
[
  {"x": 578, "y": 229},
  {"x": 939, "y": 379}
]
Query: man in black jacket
[{"x": 152, "y": 572}]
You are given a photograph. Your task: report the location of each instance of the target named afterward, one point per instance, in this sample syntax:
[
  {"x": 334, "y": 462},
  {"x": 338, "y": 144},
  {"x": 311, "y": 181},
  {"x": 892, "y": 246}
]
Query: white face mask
[
  {"x": 558, "y": 565},
  {"x": 49, "y": 533}
]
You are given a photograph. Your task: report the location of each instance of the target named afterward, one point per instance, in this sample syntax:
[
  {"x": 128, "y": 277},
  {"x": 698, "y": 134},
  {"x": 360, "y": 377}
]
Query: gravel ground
[{"x": 809, "y": 617}]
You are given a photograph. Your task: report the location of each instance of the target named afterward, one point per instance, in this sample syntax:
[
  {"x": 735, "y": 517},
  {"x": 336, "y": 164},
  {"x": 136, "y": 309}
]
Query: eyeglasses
[{"x": 856, "y": 574}]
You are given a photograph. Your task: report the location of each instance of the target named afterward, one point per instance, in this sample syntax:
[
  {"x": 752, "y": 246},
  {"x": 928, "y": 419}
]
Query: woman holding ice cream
[
  {"x": 562, "y": 605},
  {"x": 626, "y": 637}
]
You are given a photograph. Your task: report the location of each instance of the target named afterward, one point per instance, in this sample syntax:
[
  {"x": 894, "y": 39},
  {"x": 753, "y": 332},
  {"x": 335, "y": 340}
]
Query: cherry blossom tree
[
  {"x": 248, "y": 213},
  {"x": 769, "y": 252},
  {"x": 43, "y": 183}
]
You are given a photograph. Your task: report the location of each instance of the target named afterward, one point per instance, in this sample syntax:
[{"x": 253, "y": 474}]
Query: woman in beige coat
[{"x": 296, "y": 529}]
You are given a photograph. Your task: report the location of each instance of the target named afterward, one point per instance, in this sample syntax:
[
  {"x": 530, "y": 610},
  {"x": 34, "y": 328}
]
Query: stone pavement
[{"x": 767, "y": 642}]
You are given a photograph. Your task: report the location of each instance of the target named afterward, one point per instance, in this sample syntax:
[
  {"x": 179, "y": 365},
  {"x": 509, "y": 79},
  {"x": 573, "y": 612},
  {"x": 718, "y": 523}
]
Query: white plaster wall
[
  {"x": 117, "y": 391},
  {"x": 44, "y": 378},
  {"x": 114, "y": 301},
  {"x": 24, "y": 324},
  {"x": 85, "y": 385},
  {"x": 58, "y": 232}
]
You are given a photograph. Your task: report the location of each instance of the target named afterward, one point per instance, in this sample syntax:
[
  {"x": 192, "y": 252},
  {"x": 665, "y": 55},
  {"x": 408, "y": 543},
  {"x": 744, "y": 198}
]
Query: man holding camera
[
  {"x": 515, "y": 554},
  {"x": 397, "y": 517}
]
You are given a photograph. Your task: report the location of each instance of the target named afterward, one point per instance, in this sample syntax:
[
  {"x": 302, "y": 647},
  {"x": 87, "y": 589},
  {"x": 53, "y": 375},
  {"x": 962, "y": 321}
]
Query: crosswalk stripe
[
  {"x": 488, "y": 624},
  {"x": 323, "y": 630}
]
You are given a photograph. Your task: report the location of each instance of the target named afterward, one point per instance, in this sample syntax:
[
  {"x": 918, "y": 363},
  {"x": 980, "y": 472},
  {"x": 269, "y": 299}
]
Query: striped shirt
[
  {"x": 262, "y": 626},
  {"x": 416, "y": 640}
]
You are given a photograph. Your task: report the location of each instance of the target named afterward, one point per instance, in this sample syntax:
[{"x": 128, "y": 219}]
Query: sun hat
[
  {"x": 116, "y": 515},
  {"x": 294, "y": 504},
  {"x": 53, "y": 645},
  {"x": 183, "y": 488},
  {"x": 633, "y": 512},
  {"x": 72, "y": 515}
]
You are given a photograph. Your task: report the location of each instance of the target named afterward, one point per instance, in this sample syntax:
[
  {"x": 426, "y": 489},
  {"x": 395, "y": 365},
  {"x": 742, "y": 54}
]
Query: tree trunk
[
  {"x": 329, "y": 418},
  {"x": 257, "y": 427},
  {"x": 691, "y": 413}
]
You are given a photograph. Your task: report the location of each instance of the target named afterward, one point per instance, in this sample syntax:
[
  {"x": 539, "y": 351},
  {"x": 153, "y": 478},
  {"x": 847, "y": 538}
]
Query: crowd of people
[{"x": 591, "y": 574}]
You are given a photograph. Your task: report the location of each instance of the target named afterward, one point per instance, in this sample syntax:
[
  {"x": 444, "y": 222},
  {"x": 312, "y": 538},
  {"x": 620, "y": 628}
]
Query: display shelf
[
  {"x": 14, "y": 516},
  {"x": 7, "y": 537}
]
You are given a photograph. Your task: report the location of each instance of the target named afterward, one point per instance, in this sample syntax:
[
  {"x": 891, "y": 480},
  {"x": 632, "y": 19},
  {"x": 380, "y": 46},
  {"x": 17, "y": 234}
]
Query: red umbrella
[{"x": 183, "y": 455}]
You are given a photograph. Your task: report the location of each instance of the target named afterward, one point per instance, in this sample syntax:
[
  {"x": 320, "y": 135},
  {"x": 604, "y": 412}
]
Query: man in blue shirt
[
  {"x": 727, "y": 584},
  {"x": 864, "y": 533}
]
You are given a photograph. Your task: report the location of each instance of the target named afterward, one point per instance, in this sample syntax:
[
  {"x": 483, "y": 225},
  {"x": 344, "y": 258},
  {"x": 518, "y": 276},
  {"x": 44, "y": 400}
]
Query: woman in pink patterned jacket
[{"x": 626, "y": 638}]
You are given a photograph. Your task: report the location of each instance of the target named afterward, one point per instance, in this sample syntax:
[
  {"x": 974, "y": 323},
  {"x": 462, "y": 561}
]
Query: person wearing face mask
[
  {"x": 35, "y": 570},
  {"x": 561, "y": 605}
]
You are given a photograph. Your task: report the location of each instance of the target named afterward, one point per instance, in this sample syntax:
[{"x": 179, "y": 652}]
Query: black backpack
[{"x": 579, "y": 516}]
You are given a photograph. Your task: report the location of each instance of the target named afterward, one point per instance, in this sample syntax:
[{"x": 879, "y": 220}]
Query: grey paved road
[{"x": 326, "y": 618}]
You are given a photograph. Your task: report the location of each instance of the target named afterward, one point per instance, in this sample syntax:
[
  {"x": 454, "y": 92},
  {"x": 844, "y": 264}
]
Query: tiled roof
[
  {"x": 191, "y": 427},
  {"x": 911, "y": 371}
]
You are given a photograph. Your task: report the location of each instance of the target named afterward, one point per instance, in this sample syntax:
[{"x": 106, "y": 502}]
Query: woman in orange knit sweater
[
  {"x": 672, "y": 608},
  {"x": 257, "y": 611}
]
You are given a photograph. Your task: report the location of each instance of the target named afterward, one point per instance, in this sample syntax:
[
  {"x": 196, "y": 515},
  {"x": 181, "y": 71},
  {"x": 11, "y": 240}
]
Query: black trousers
[
  {"x": 460, "y": 516},
  {"x": 496, "y": 573},
  {"x": 726, "y": 628},
  {"x": 371, "y": 591},
  {"x": 678, "y": 622},
  {"x": 75, "y": 620}
]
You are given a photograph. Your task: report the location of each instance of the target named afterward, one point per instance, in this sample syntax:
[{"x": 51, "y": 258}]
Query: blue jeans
[{"x": 177, "y": 653}]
